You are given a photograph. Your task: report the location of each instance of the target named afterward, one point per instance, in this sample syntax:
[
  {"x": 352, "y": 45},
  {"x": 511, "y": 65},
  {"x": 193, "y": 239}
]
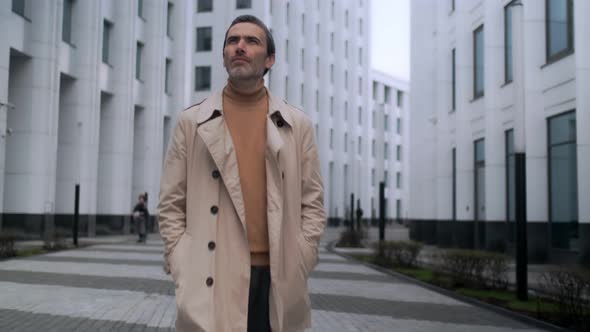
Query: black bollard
[
  {"x": 381, "y": 211},
  {"x": 76, "y": 214}
]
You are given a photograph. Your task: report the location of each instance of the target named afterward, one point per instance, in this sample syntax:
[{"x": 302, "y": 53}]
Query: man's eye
[{"x": 253, "y": 41}]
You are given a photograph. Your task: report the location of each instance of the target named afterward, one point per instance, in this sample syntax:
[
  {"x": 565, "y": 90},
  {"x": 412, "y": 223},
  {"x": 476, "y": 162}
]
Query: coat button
[
  {"x": 216, "y": 174},
  {"x": 211, "y": 245},
  {"x": 214, "y": 209},
  {"x": 209, "y": 282},
  {"x": 280, "y": 123}
]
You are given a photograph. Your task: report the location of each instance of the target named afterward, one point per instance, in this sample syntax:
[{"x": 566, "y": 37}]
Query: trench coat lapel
[{"x": 214, "y": 133}]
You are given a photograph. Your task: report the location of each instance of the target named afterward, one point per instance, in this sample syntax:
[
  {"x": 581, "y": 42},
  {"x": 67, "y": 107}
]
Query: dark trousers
[{"x": 258, "y": 307}]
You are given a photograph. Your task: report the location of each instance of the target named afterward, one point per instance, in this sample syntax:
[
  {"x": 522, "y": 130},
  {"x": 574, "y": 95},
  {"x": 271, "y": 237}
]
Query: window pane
[
  {"x": 168, "y": 76},
  {"x": 205, "y": 6},
  {"x": 563, "y": 181},
  {"x": 479, "y": 151},
  {"x": 453, "y": 83},
  {"x": 106, "y": 36},
  {"x": 140, "y": 8},
  {"x": 66, "y": 31},
  {"x": 557, "y": 21},
  {"x": 478, "y": 62},
  {"x": 243, "y": 4},
  {"x": 203, "y": 39},
  {"x": 510, "y": 177},
  {"x": 508, "y": 43},
  {"x": 562, "y": 129},
  {"x": 138, "y": 61},
  {"x": 169, "y": 20},
  {"x": 18, "y": 6},
  {"x": 202, "y": 78}
]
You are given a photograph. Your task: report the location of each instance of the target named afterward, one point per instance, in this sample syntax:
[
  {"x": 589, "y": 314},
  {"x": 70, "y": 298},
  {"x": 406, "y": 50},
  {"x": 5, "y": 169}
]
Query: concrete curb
[{"x": 499, "y": 310}]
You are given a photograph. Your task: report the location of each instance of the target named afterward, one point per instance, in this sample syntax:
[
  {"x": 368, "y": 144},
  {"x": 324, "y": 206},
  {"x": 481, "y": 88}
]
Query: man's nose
[{"x": 241, "y": 45}]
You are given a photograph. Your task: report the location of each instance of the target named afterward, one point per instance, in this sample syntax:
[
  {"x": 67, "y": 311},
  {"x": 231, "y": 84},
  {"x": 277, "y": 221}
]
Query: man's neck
[{"x": 246, "y": 87}]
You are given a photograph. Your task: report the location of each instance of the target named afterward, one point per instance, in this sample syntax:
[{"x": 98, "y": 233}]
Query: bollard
[{"x": 76, "y": 214}]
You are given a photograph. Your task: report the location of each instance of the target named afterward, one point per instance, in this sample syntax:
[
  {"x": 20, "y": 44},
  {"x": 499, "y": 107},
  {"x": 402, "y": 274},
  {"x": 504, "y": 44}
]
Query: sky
[{"x": 390, "y": 37}]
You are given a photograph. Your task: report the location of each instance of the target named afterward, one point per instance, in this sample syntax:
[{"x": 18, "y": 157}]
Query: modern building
[
  {"x": 389, "y": 136},
  {"x": 90, "y": 90},
  {"x": 484, "y": 75}
]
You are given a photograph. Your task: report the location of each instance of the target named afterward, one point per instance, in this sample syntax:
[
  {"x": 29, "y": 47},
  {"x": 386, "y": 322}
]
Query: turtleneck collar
[{"x": 234, "y": 94}]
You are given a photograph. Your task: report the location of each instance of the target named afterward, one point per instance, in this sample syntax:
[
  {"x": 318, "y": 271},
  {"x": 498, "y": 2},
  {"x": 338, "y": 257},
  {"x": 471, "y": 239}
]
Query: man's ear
[{"x": 270, "y": 61}]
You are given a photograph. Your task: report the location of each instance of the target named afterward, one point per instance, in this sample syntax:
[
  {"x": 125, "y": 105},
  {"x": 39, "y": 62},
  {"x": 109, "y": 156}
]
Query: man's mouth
[{"x": 239, "y": 59}]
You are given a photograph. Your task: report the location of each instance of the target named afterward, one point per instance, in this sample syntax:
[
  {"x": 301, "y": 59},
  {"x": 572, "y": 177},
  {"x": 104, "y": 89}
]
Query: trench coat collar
[{"x": 213, "y": 131}]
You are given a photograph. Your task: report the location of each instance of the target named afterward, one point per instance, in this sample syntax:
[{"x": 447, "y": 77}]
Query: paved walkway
[{"x": 120, "y": 286}]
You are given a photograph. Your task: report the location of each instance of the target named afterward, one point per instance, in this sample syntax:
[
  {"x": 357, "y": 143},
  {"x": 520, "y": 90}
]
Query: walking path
[{"x": 120, "y": 286}]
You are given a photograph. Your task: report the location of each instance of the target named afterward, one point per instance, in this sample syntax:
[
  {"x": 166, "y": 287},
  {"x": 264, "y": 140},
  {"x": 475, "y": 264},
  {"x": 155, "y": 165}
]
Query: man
[
  {"x": 141, "y": 216},
  {"x": 241, "y": 201}
]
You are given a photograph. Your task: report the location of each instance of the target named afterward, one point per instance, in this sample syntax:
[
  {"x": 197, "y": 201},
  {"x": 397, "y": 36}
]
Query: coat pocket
[
  {"x": 308, "y": 253},
  {"x": 175, "y": 258}
]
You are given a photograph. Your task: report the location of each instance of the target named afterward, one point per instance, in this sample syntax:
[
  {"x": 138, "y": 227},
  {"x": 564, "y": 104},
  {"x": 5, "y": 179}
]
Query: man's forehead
[{"x": 246, "y": 29}]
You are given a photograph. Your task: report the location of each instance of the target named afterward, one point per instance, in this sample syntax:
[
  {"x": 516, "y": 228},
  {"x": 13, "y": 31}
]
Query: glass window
[
  {"x": 385, "y": 151},
  {"x": 140, "y": 8},
  {"x": 398, "y": 180},
  {"x": 399, "y": 126},
  {"x": 202, "y": 78},
  {"x": 302, "y": 59},
  {"x": 345, "y": 110},
  {"x": 169, "y": 20},
  {"x": 345, "y": 142},
  {"x": 360, "y": 26},
  {"x": 243, "y": 4},
  {"x": 332, "y": 105},
  {"x": 452, "y": 5},
  {"x": 317, "y": 66},
  {"x": 204, "y": 39},
  {"x": 400, "y": 96},
  {"x": 373, "y": 148},
  {"x": 346, "y": 79},
  {"x": 18, "y": 7},
  {"x": 106, "y": 41},
  {"x": 510, "y": 183},
  {"x": 204, "y": 6},
  {"x": 398, "y": 152},
  {"x": 563, "y": 181},
  {"x": 453, "y": 81},
  {"x": 386, "y": 122},
  {"x": 360, "y": 115},
  {"x": 66, "y": 31},
  {"x": 559, "y": 28},
  {"x": 375, "y": 86},
  {"x": 317, "y": 100},
  {"x": 360, "y": 144},
  {"x": 373, "y": 177},
  {"x": 387, "y": 95},
  {"x": 478, "y": 63},
  {"x": 287, "y": 50},
  {"x": 479, "y": 161},
  {"x": 302, "y": 94},
  {"x": 454, "y": 183},
  {"x": 168, "y": 76},
  {"x": 331, "y": 138},
  {"x": 138, "y": 56},
  {"x": 398, "y": 209},
  {"x": 360, "y": 85},
  {"x": 508, "y": 43},
  {"x": 386, "y": 177}
]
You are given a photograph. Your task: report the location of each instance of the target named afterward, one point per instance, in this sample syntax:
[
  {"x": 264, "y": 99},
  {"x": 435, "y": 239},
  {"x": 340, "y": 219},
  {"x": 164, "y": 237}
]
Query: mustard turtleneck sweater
[{"x": 245, "y": 116}]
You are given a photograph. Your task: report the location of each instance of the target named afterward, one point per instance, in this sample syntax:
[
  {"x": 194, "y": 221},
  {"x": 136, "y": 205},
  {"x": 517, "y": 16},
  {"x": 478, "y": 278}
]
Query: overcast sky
[{"x": 390, "y": 37}]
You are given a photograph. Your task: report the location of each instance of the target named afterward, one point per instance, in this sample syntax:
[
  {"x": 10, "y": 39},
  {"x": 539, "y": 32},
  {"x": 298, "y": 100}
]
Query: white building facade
[
  {"x": 90, "y": 90},
  {"x": 469, "y": 79},
  {"x": 389, "y": 136}
]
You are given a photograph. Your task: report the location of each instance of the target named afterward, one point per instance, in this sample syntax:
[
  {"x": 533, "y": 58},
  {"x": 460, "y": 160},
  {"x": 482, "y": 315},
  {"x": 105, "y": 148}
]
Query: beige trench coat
[{"x": 202, "y": 219}]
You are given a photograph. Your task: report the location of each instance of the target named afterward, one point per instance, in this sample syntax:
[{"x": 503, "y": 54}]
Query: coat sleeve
[
  {"x": 172, "y": 204},
  {"x": 312, "y": 189}
]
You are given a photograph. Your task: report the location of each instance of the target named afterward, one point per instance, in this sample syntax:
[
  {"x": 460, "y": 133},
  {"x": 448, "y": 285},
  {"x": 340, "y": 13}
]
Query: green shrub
[
  {"x": 7, "y": 245},
  {"x": 398, "y": 253},
  {"x": 474, "y": 268},
  {"x": 571, "y": 289}
]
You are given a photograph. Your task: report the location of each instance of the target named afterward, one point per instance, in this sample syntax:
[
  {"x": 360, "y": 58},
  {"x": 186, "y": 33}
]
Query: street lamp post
[{"x": 519, "y": 150}]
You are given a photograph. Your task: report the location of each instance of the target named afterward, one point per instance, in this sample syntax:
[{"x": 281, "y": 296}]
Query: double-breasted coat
[{"x": 202, "y": 219}]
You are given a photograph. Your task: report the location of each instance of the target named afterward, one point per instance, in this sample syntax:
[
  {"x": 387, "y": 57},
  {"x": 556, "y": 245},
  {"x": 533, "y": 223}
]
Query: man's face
[{"x": 244, "y": 55}]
